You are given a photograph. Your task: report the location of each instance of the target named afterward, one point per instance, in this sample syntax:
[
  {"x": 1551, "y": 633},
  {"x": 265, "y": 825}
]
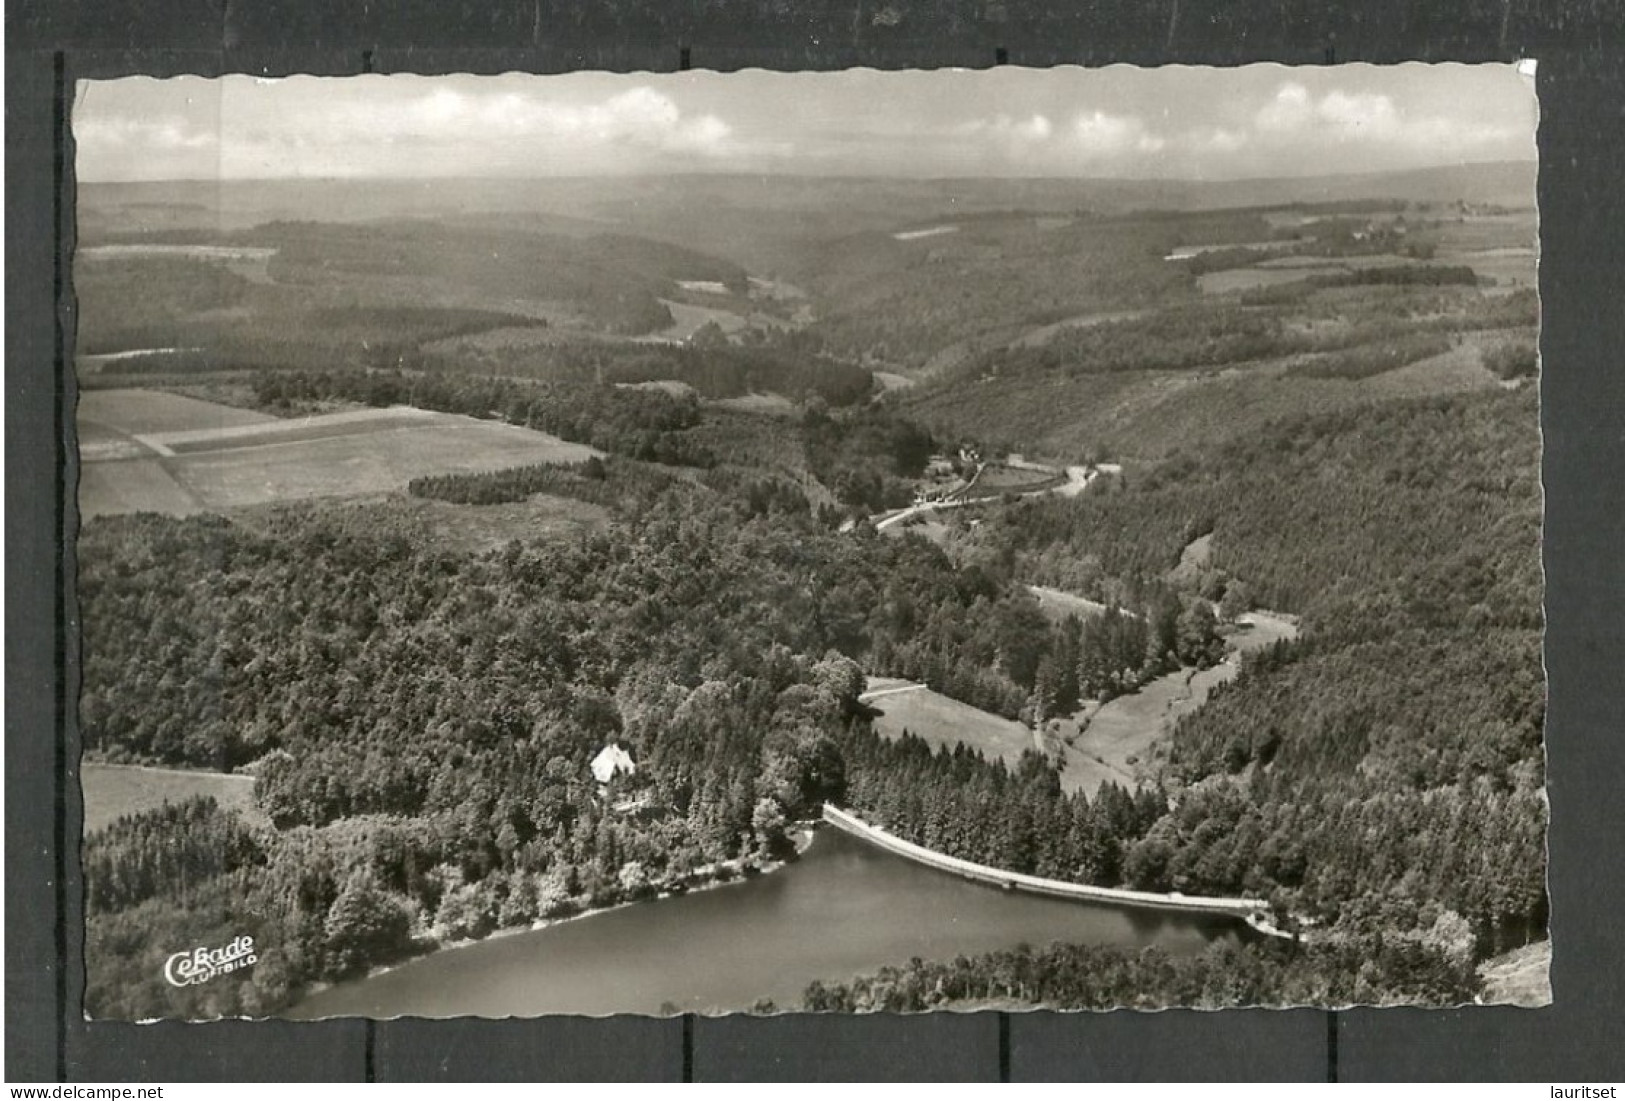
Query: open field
[
  {"x": 1107, "y": 742},
  {"x": 891, "y": 380},
  {"x": 773, "y": 405},
  {"x": 371, "y": 462},
  {"x": 141, "y": 412},
  {"x": 1059, "y": 604},
  {"x": 918, "y": 234},
  {"x": 1248, "y": 279},
  {"x": 1459, "y": 370},
  {"x": 687, "y": 319},
  {"x": 945, "y": 722},
  {"x": 1043, "y": 333},
  {"x": 112, "y": 791},
  {"x": 998, "y": 478},
  {"x": 675, "y": 387},
  {"x": 293, "y": 430},
  {"x": 133, "y": 485},
  {"x": 199, "y": 456},
  {"x": 1259, "y": 629},
  {"x": 1511, "y": 268},
  {"x": 1110, "y": 741},
  {"x": 99, "y": 443},
  {"x": 886, "y": 684}
]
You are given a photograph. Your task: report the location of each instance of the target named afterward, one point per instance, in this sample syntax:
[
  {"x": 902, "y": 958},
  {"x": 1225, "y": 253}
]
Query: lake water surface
[{"x": 843, "y": 909}]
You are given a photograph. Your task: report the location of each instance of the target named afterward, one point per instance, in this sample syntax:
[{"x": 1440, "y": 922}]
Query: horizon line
[{"x": 753, "y": 174}]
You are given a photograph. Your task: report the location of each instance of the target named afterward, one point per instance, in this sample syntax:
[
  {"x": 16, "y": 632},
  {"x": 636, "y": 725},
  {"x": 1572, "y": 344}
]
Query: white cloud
[
  {"x": 1292, "y": 126},
  {"x": 1289, "y": 110},
  {"x": 639, "y": 118},
  {"x": 1106, "y": 134},
  {"x": 108, "y": 146},
  {"x": 439, "y": 130},
  {"x": 1037, "y": 128},
  {"x": 1366, "y": 114},
  {"x": 1371, "y": 118},
  {"x": 1034, "y": 130},
  {"x": 1218, "y": 139},
  {"x": 159, "y": 135},
  {"x": 1271, "y": 123}
]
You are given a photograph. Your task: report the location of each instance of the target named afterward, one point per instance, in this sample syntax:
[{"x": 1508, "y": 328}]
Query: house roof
[{"x": 611, "y": 760}]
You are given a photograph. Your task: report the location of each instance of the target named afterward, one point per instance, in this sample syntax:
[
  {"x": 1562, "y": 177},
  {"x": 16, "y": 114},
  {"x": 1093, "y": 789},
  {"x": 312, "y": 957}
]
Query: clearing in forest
[
  {"x": 1109, "y": 742},
  {"x": 113, "y": 791},
  {"x": 941, "y": 721},
  {"x": 1058, "y": 604}
]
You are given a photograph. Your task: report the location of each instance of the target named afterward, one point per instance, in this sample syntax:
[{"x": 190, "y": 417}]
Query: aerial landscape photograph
[{"x": 632, "y": 543}]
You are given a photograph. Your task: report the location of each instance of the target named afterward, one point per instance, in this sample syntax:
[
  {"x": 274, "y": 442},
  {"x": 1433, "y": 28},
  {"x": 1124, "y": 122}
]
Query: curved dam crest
[{"x": 1252, "y": 910}]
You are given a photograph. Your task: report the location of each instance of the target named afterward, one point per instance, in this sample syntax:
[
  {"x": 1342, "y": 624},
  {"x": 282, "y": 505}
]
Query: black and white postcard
[{"x": 759, "y": 542}]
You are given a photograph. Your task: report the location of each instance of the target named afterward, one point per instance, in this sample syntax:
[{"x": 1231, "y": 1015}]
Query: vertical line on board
[
  {"x": 1331, "y": 1045},
  {"x": 688, "y": 1047},
  {"x": 1004, "y": 1047},
  {"x": 682, "y": 59},
  {"x": 369, "y": 1052},
  {"x": 59, "y": 807}
]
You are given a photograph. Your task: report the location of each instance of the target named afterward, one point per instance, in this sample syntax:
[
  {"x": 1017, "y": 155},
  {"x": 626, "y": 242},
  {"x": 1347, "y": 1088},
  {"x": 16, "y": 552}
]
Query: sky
[{"x": 1123, "y": 122}]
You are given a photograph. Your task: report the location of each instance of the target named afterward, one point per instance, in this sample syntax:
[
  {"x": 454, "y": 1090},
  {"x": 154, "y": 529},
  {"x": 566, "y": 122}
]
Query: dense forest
[
  {"x": 406, "y": 710},
  {"x": 419, "y": 718},
  {"x": 1430, "y": 970},
  {"x": 1115, "y": 389},
  {"x": 1389, "y": 762},
  {"x": 419, "y": 722},
  {"x": 782, "y": 362},
  {"x": 1211, "y": 334},
  {"x": 955, "y": 802}
]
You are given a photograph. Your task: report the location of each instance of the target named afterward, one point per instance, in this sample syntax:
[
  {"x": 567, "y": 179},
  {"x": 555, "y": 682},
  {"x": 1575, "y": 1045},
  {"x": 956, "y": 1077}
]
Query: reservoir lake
[{"x": 842, "y": 909}]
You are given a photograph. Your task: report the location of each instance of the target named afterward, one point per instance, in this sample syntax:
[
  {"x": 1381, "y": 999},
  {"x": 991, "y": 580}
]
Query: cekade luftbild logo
[{"x": 199, "y": 965}]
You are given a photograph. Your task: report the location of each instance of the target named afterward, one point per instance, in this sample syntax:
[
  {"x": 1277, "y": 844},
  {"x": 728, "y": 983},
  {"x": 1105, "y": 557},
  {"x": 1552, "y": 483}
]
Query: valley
[{"x": 1170, "y": 538}]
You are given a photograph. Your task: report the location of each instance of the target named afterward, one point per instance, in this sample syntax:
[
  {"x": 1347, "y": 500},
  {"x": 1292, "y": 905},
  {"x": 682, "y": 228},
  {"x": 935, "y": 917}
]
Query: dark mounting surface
[{"x": 1583, "y": 236}]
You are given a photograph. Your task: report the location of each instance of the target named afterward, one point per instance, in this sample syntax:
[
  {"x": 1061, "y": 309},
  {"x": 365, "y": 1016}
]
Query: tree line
[
  {"x": 954, "y": 801},
  {"x": 1397, "y": 971},
  {"x": 647, "y": 425},
  {"x": 711, "y": 364}
]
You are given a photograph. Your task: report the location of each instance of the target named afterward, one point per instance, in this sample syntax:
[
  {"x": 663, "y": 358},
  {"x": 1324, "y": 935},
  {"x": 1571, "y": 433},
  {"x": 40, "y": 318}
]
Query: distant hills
[{"x": 819, "y": 205}]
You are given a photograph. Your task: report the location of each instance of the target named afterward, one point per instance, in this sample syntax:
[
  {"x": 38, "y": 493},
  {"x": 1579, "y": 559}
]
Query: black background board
[{"x": 1580, "y": 45}]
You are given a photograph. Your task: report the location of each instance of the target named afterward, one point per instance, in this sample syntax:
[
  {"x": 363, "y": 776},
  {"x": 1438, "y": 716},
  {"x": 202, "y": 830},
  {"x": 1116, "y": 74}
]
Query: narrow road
[{"x": 1078, "y": 479}]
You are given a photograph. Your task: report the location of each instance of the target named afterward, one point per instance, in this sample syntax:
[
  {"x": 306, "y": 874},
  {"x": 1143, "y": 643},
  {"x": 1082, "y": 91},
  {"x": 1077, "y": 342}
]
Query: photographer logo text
[{"x": 199, "y": 965}]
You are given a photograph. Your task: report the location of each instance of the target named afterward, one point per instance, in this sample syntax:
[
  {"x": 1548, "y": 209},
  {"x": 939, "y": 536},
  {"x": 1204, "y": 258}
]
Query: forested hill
[
  {"x": 1384, "y": 772},
  {"x": 421, "y": 722},
  {"x": 1422, "y": 512}
]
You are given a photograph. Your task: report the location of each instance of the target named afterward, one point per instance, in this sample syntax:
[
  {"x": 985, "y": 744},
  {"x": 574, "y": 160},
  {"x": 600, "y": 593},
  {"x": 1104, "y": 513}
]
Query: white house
[{"x": 612, "y": 761}]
